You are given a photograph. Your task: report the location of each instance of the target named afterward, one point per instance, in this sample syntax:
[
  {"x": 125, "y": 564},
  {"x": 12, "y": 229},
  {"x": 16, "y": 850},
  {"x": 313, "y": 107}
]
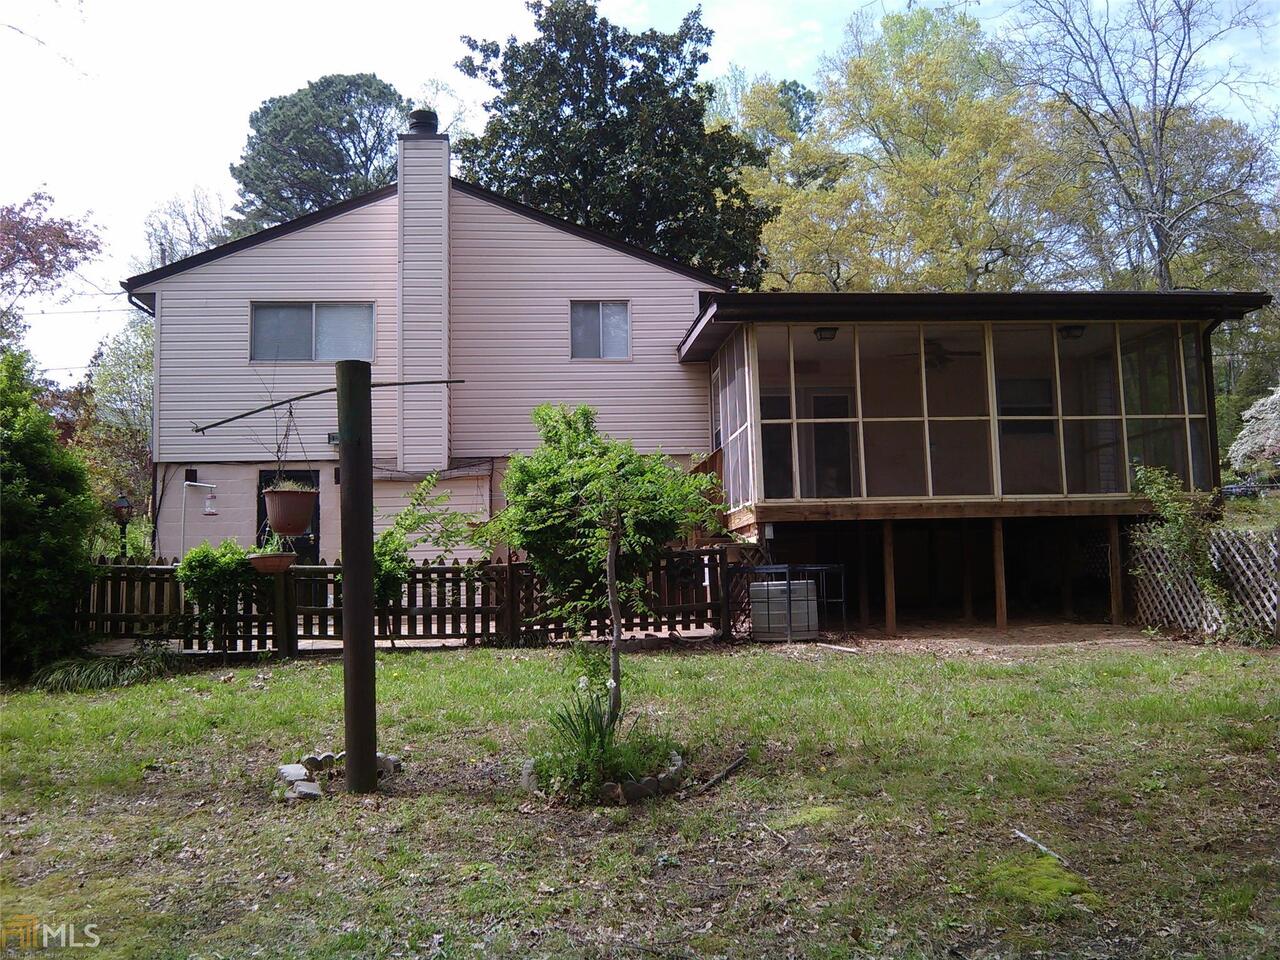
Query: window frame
[
  {"x": 626, "y": 301},
  {"x": 373, "y": 329}
]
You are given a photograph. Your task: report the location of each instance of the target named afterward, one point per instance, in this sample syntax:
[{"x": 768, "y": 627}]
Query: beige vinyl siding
[
  {"x": 466, "y": 495},
  {"x": 203, "y": 371},
  {"x": 424, "y": 302},
  {"x": 512, "y": 280}
]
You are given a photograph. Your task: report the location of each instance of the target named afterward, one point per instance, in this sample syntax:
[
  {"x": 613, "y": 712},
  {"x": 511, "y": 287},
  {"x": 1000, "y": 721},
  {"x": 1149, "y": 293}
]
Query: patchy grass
[{"x": 875, "y": 817}]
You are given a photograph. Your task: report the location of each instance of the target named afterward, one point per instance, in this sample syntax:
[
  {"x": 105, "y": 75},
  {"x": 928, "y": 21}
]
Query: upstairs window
[
  {"x": 599, "y": 330},
  {"x": 311, "y": 331}
]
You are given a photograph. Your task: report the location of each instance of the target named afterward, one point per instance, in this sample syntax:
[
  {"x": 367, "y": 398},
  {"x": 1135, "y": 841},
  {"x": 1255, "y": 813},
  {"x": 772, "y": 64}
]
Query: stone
[
  {"x": 327, "y": 760},
  {"x": 388, "y": 765},
  {"x": 293, "y": 772},
  {"x": 340, "y": 757},
  {"x": 634, "y": 790},
  {"x": 312, "y": 762},
  {"x": 528, "y": 776},
  {"x": 612, "y": 793},
  {"x": 304, "y": 790}
]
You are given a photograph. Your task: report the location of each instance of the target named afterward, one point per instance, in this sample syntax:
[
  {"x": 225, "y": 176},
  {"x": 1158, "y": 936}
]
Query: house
[{"x": 966, "y": 451}]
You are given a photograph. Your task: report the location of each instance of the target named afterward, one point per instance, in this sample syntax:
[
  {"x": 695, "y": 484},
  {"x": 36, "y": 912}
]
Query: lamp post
[{"x": 123, "y": 509}]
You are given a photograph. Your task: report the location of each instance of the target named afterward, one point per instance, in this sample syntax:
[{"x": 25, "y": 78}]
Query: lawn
[{"x": 874, "y": 818}]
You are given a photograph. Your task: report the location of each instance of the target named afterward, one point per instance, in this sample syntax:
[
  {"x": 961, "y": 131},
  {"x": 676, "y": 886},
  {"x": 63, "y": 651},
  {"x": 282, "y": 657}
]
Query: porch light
[
  {"x": 1071, "y": 331},
  {"x": 210, "y": 508},
  {"x": 123, "y": 510},
  {"x": 825, "y": 334}
]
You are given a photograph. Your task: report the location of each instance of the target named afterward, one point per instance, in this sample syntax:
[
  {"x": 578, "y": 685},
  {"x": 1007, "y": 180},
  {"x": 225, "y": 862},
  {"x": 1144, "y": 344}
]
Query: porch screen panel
[
  {"x": 1087, "y": 368},
  {"x": 1159, "y": 442},
  {"x": 1094, "y": 456},
  {"x": 734, "y": 420},
  {"x": 1152, "y": 369},
  {"x": 828, "y": 457},
  {"x": 960, "y": 457},
  {"x": 1026, "y": 399},
  {"x": 889, "y": 366},
  {"x": 774, "y": 364},
  {"x": 955, "y": 365},
  {"x": 824, "y": 373},
  {"x": 775, "y": 440},
  {"x": 895, "y": 458}
]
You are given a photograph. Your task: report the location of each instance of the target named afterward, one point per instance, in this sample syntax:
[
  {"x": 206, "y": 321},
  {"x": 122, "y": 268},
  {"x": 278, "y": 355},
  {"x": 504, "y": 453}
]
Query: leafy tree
[
  {"x": 592, "y": 515},
  {"x": 332, "y": 140},
  {"x": 48, "y": 511},
  {"x": 36, "y": 252},
  {"x": 113, "y": 431},
  {"x": 912, "y": 168},
  {"x": 608, "y": 128},
  {"x": 425, "y": 519}
]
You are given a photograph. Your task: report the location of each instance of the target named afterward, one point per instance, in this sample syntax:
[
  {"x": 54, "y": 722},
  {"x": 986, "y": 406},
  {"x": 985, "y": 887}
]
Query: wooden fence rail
[
  {"x": 476, "y": 603},
  {"x": 1250, "y": 563}
]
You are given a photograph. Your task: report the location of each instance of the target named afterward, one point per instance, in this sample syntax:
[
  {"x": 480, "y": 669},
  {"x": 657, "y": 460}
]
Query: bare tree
[
  {"x": 183, "y": 226},
  {"x": 1169, "y": 178}
]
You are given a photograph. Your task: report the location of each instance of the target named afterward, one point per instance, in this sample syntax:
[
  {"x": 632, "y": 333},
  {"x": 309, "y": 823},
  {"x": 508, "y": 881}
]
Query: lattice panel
[{"x": 1250, "y": 560}]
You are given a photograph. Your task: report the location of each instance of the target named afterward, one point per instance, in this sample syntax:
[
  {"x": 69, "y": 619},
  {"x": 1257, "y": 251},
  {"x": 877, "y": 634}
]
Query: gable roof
[{"x": 346, "y": 206}]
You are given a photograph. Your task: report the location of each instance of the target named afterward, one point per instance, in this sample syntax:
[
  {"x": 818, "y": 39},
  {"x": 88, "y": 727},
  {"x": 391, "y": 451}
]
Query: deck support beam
[
  {"x": 890, "y": 587},
  {"x": 1116, "y": 571},
  {"x": 997, "y": 554},
  {"x": 864, "y": 584},
  {"x": 966, "y": 570}
]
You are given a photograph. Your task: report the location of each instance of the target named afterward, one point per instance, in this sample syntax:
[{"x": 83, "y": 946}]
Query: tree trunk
[{"x": 615, "y": 622}]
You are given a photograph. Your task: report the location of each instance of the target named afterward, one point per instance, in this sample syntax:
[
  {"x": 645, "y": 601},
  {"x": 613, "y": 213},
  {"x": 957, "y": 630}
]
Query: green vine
[{"x": 216, "y": 578}]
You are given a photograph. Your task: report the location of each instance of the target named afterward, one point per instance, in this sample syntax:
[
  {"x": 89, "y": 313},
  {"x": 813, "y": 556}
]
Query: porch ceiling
[{"x": 722, "y": 313}]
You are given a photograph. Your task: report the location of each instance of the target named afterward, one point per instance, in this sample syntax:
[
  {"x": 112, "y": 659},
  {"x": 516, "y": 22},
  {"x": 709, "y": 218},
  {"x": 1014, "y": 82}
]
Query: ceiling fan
[{"x": 937, "y": 354}]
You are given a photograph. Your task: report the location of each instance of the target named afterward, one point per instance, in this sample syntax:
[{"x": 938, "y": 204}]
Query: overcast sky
[{"x": 114, "y": 106}]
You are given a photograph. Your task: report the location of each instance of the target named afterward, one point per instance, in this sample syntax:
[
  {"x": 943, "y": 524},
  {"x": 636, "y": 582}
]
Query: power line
[{"x": 47, "y": 313}]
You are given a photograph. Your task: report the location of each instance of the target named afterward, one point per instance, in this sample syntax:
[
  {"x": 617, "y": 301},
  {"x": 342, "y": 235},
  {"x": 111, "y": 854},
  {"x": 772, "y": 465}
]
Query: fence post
[
  {"x": 511, "y": 615},
  {"x": 726, "y": 602},
  {"x": 284, "y": 614}
]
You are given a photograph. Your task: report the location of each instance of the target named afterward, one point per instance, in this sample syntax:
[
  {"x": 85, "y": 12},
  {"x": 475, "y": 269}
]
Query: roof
[
  {"x": 723, "y": 313},
  {"x": 471, "y": 189}
]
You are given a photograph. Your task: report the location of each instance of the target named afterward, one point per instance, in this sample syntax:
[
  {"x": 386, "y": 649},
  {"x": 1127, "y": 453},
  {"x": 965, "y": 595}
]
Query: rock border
[{"x": 301, "y": 778}]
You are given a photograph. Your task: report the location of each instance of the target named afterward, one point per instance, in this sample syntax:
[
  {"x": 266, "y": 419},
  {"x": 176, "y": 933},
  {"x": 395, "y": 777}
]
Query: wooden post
[
  {"x": 1066, "y": 557},
  {"x": 355, "y": 458},
  {"x": 1116, "y": 571},
  {"x": 280, "y": 613},
  {"x": 966, "y": 572},
  {"x": 864, "y": 586},
  {"x": 726, "y": 601},
  {"x": 512, "y": 615},
  {"x": 890, "y": 588},
  {"x": 997, "y": 554}
]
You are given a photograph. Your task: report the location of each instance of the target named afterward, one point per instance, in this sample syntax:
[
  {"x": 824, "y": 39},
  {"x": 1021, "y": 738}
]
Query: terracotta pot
[
  {"x": 272, "y": 562},
  {"x": 289, "y": 511}
]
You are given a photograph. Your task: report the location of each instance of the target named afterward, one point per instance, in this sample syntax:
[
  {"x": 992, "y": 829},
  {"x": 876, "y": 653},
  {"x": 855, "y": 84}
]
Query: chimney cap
[{"x": 423, "y": 121}]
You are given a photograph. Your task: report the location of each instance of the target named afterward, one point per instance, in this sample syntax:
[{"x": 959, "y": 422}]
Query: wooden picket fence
[
  {"x": 499, "y": 604},
  {"x": 1250, "y": 560}
]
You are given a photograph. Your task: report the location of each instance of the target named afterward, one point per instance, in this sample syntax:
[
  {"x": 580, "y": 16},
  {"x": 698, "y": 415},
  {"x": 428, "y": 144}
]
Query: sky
[{"x": 128, "y": 103}]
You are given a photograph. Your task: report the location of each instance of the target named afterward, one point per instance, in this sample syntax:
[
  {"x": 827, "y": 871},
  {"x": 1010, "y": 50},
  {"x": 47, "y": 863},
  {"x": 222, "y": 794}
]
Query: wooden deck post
[
  {"x": 1066, "y": 557},
  {"x": 966, "y": 570},
  {"x": 1116, "y": 570},
  {"x": 864, "y": 585},
  {"x": 997, "y": 553},
  {"x": 890, "y": 587},
  {"x": 355, "y": 458}
]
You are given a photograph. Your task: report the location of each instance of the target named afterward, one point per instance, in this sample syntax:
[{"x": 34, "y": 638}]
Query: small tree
[
  {"x": 48, "y": 512},
  {"x": 592, "y": 514},
  {"x": 425, "y": 519}
]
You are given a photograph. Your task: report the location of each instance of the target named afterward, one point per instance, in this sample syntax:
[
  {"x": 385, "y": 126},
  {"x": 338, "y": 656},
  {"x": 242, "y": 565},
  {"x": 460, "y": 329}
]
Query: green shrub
[
  {"x": 587, "y": 751},
  {"x": 215, "y": 579},
  {"x": 48, "y": 513}
]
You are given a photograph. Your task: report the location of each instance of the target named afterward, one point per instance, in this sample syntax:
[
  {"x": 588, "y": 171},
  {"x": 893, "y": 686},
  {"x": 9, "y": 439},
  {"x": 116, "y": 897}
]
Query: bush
[
  {"x": 216, "y": 578},
  {"x": 48, "y": 512}
]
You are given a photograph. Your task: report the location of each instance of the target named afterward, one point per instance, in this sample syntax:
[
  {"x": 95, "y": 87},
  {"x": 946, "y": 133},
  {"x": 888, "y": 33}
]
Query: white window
[
  {"x": 311, "y": 331},
  {"x": 599, "y": 330}
]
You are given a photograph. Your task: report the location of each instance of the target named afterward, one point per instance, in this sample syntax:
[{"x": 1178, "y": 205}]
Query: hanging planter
[
  {"x": 290, "y": 507},
  {"x": 272, "y": 562}
]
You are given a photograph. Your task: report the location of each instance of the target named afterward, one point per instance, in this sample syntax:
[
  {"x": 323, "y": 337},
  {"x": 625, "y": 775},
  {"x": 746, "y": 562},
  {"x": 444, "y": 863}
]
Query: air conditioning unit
[{"x": 770, "y": 601}]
